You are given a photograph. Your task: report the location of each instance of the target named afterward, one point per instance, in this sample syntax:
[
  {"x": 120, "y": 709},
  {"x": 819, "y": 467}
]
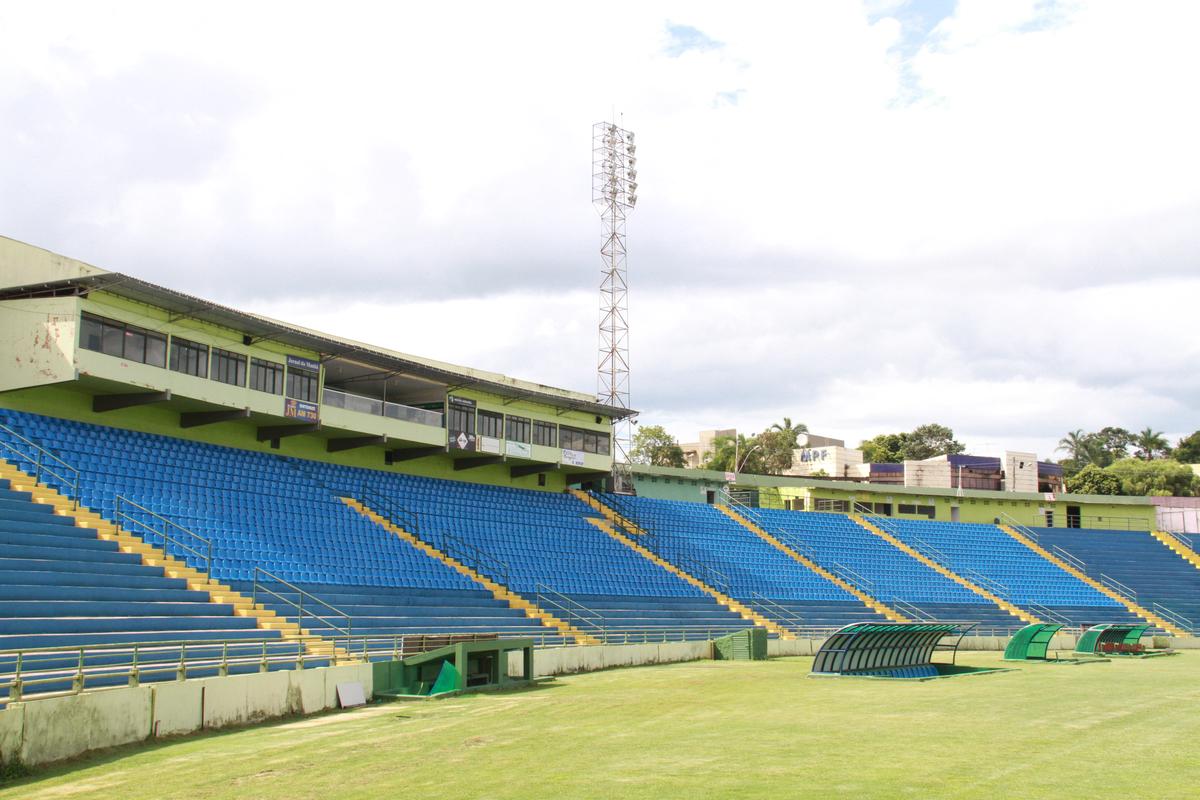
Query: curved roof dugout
[{"x": 889, "y": 649}]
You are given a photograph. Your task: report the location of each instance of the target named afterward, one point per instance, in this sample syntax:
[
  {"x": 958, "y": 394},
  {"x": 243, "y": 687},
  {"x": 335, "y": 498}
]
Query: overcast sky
[{"x": 864, "y": 216}]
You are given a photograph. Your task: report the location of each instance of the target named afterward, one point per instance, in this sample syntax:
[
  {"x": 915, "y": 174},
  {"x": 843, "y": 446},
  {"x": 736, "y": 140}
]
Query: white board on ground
[{"x": 351, "y": 695}]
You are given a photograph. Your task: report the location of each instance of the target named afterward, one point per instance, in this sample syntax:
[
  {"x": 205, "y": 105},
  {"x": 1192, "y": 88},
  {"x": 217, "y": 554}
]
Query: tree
[
  {"x": 1094, "y": 480},
  {"x": 1150, "y": 444},
  {"x": 787, "y": 427},
  {"x": 776, "y": 449},
  {"x": 886, "y": 448},
  {"x": 1187, "y": 451},
  {"x": 745, "y": 450},
  {"x": 924, "y": 441},
  {"x": 1161, "y": 477},
  {"x": 927, "y": 441},
  {"x": 1076, "y": 445},
  {"x": 653, "y": 445},
  {"x": 1100, "y": 448},
  {"x": 1112, "y": 445}
]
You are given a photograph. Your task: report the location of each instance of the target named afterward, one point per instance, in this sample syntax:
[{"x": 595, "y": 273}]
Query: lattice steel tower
[{"x": 614, "y": 193}]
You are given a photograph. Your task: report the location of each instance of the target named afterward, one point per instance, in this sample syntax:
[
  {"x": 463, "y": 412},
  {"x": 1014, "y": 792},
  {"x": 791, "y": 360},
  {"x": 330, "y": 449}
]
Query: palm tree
[
  {"x": 1150, "y": 443},
  {"x": 1077, "y": 446},
  {"x": 792, "y": 430}
]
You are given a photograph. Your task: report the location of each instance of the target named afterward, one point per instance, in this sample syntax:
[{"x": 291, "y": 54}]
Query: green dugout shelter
[
  {"x": 893, "y": 650},
  {"x": 1117, "y": 641},
  {"x": 1031, "y": 642}
]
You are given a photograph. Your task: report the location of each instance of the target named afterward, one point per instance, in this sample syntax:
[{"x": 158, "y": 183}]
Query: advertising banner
[
  {"x": 486, "y": 444},
  {"x": 572, "y": 457},
  {"x": 518, "y": 449},
  {"x": 460, "y": 423},
  {"x": 299, "y": 409},
  {"x": 303, "y": 363}
]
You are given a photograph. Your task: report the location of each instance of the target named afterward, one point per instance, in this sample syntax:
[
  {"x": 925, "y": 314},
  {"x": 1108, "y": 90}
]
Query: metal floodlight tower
[{"x": 614, "y": 193}]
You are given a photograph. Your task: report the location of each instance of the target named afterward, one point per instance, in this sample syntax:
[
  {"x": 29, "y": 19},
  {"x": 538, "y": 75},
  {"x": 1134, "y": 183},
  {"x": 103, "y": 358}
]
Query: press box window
[
  {"x": 490, "y": 424},
  {"x": 266, "y": 376},
  {"x": 302, "y": 384},
  {"x": 129, "y": 342},
  {"x": 190, "y": 358},
  {"x": 545, "y": 434},
  {"x": 228, "y": 367},
  {"x": 587, "y": 441},
  {"x": 517, "y": 429}
]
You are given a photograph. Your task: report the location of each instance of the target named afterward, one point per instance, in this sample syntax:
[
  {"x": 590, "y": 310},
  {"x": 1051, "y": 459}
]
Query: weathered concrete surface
[
  {"x": 306, "y": 691},
  {"x": 61, "y": 727},
  {"x": 177, "y": 708},
  {"x": 347, "y": 674},
  {"x": 12, "y": 731},
  {"x": 587, "y": 658}
]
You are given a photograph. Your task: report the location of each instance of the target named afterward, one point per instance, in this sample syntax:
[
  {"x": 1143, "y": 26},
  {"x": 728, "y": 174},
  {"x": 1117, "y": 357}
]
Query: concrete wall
[
  {"x": 37, "y": 342},
  {"x": 42, "y": 731},
  {"x": 587, "y": 658}
]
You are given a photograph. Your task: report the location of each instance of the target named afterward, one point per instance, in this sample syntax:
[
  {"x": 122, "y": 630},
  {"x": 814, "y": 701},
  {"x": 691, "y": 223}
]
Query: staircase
[
  {"x": 618, "y": 521},
  {"x": 865, "y": 598},
  {"x": 1181, "y": 549},
  {"x": 940, "y": 568},
  {"x": 1145, "y": 614},
  {"x": 153, "y": 556},
  {"x": 500, "y": 592},
  {"x": 733, "y": 605}
]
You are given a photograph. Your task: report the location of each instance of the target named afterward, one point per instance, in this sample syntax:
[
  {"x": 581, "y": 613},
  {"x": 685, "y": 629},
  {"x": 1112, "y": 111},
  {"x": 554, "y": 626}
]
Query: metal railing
[
  {"x": 909, "y": 610},
  {"x": 381, "y": 408},
  {"x": 1053, "y": 549},
  {"x": 780, "y": 614},
  {"x": 389, "y": 509},
  {"x": 1175, "y": 618},
  {"x": 1047, "y": 614},
  {"x": 131, "y": 516},
  {"x": 572, "y": 611},
  {"x": 260, "y": 587},
  {"x": 44, "y": 463},
  {"x": 1120, "y": 588},
  {"x": 471, "y": 556}
]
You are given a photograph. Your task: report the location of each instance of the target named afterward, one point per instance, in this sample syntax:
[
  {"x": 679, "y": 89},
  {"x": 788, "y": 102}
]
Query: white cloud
[{"x": 991, "y": 226}]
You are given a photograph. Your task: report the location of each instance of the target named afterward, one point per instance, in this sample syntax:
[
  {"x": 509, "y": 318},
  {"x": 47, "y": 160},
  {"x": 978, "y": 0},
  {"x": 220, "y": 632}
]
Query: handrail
[
  {"x": 395, "y": 513},
  {"x": 471, "y": 555},
  {"x": 573, "y": 610},
  {"x": 1120, "y": 588},
  {"x": 39, "y": 467},
  {"x": 205, "y": 554},
  {"x": 299, "y": 603},
  {"x": 910, "y": 610},
  {"x": 1174, "y": 617},
  {"x": 778, "y": 612},
  {"x": 794, "y": 541},
  {"x": 1048, "y": 614}
]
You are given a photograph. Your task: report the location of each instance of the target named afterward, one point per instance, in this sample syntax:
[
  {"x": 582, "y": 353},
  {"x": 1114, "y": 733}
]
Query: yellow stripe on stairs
[
  {"x": 498, "y": 591},
  {"x": 1182, "y": 550},
  {"x": 153, "y": 556},
  {"x": 1016, "y": 611},
  {"x": 610, "y": 515},
  {"x": 744, "y": 611},
  {"x": 865, "y": 598},
  {"x": 1145, "y": 614}
]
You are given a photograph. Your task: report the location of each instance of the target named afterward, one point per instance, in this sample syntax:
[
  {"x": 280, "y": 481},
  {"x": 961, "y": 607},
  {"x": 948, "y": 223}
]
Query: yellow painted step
[
  {"x": 1182, "y": 550},
  {"x": 499, "y": 592},
  {"x": 1016, "y": 611},
  {"x": 866, "y": 599},
  {"x": 742, "y": 610},
  {"x": 87, "y": 519},
  {"x": 1144, "y": 613}
]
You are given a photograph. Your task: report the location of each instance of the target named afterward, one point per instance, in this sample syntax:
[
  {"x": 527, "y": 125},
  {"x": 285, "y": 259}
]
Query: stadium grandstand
[{"x": 190, "y": 490}]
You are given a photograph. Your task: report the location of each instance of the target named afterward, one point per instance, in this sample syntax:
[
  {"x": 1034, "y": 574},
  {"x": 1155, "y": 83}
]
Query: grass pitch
[{"x": 704, "y": 729}]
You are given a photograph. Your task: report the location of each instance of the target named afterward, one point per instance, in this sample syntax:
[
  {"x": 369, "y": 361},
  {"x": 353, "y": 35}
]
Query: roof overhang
[{"x": 262, "y": 328}]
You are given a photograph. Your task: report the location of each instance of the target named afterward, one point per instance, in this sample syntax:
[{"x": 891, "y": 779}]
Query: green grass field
[{"x": 704, "y": 729}]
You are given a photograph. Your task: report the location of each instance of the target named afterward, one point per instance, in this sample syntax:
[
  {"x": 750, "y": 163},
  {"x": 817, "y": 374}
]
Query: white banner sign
[
  {"x": 572, "y": 457},
  {"x": 487, "y": 444},
  {"x": 518, "y": 449}
]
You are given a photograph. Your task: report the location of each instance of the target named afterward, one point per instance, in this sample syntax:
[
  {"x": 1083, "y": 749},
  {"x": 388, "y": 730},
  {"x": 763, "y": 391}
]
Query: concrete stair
[
  {"x": 1182, "y": 550},
  {"x": 618, "y": 521},
  {"x": 498, "y": 591},
  {"x": 866, "y": 599},
  {"x": 1016, "y": 611},
  {"x": 1144, "y": 613},
  {"x": 153, "y": 556},
  {"x": 733, "y": 605}
]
